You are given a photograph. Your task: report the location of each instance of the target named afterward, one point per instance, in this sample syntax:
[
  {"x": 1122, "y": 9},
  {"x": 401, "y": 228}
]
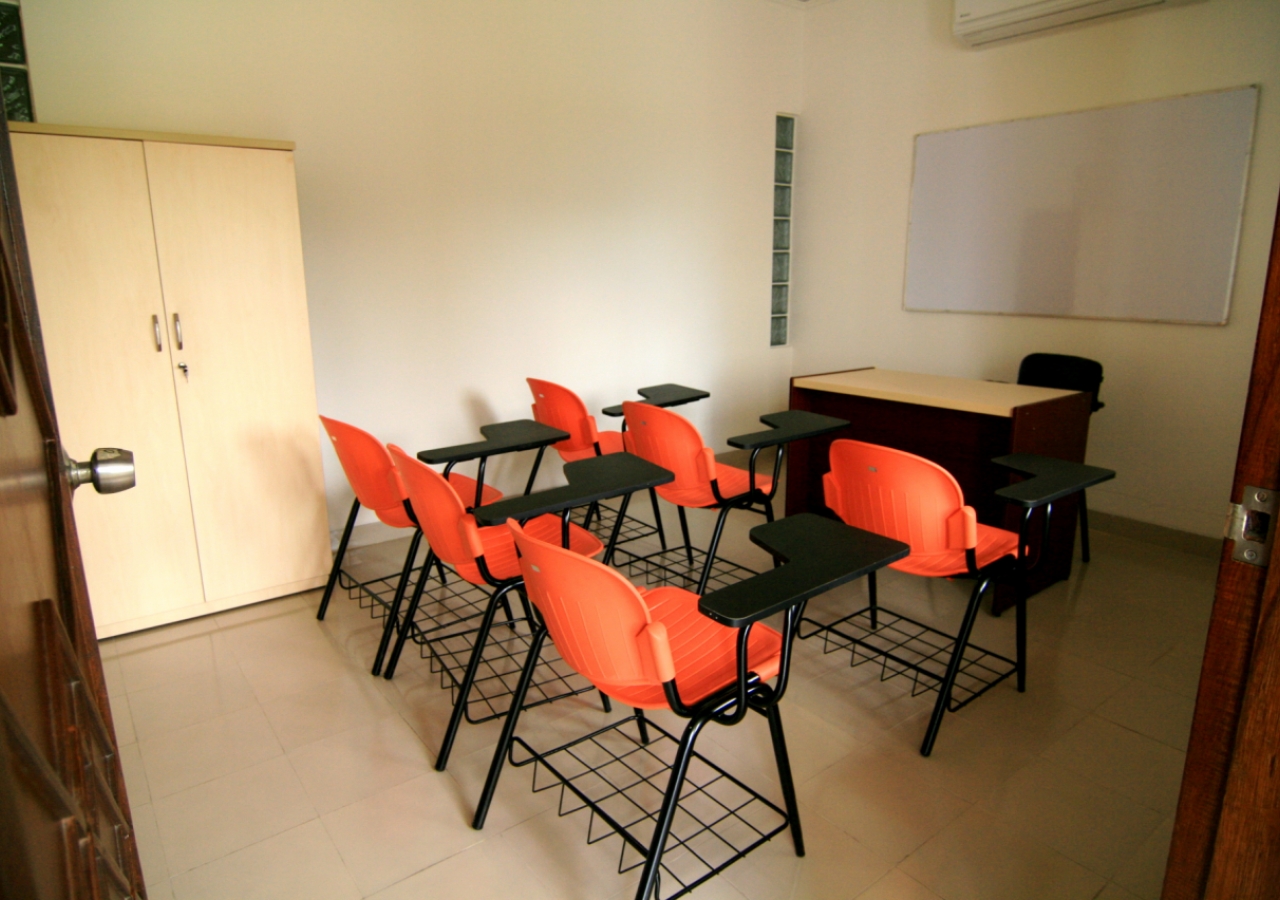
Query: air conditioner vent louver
[{"x": 982, "y": 21}]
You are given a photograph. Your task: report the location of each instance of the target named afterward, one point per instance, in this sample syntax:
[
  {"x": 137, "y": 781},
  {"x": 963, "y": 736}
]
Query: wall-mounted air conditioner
[{"x": 982, "y": 21}]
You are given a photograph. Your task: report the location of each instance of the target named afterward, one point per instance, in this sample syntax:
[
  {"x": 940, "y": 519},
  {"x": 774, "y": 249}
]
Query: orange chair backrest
[
  {"x": 669, "y": 440},
  {"x": 561, "y": 408},
  {"x": 899, "y": 495},
  {"x": 441, "y": 516},
  {"x": 598, "y": 621},
  {"x": 367, "y": 465}
]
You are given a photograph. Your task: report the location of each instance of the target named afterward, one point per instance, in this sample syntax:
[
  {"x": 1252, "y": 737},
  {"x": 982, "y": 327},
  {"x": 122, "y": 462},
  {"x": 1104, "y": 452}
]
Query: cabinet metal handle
[
  {"x": 177, "y": 329},
  {"x": 155, "y": 326}
]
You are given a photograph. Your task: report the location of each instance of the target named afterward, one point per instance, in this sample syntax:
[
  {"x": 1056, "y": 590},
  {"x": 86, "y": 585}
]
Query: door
[
  {"x": 64, "y": 815},
  {"x": 230, "y": 250},
  {"x": 1226, "y": 838},
  {"x": 104, "y": 327}
]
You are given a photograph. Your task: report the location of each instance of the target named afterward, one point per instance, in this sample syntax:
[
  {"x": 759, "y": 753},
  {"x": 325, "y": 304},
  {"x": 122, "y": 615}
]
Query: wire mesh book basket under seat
[
  {"x": 504, "y": 655},
  {"x": 602, "y": 523},
  {"x": 621, "y": 781},
  {"x": 671, "y": 567},
  {"x": 905, "y": 647}
]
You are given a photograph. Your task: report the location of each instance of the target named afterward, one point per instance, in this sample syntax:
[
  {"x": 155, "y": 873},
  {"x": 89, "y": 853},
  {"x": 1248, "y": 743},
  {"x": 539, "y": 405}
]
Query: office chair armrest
[
  {"x": 660, "y": 646},
  {"x": 471, "y": 537}
]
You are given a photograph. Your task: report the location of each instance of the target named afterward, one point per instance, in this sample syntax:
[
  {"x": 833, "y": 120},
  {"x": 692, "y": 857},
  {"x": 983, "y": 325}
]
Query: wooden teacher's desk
[{"x": 959, "y": 423}]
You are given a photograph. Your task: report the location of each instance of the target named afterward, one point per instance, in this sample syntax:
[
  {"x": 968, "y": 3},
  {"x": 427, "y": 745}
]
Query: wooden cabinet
[{"x": 170, "y": 285}]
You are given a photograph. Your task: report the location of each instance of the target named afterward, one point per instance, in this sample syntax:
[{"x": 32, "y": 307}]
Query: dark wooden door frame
[{"x": 1226, "y": 838}]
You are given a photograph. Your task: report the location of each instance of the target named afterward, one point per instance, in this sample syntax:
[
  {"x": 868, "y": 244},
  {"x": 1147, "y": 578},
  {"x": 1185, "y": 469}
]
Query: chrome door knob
[{"x": 109, "y": 470}]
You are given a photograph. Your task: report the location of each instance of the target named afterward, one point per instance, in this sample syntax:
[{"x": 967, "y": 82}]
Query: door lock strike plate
[{"x": 1251, "y": 525}]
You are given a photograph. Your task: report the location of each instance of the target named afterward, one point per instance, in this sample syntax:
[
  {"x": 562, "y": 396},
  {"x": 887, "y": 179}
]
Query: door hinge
[{"x": 1251, "y": 525}]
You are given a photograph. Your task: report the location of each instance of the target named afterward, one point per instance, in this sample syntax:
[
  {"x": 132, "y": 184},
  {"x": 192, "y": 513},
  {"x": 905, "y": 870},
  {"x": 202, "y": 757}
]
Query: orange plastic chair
[
  {"x": 916, "y": 501},
  {"x": 654, "y": 650},
  {"x": 377, "y": 486},
  {"x": 561, "y": 408},
  {"x": 482, "y": 556},
  {"x": 670, "y": 440}
]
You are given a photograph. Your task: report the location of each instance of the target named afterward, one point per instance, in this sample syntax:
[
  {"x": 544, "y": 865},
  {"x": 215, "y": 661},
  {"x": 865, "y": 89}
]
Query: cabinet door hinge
[{"x": 1251, "y": 525}]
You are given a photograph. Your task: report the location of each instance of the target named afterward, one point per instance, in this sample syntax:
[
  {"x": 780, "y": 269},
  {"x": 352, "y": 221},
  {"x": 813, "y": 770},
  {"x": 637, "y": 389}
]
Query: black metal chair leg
[
  {"x": 337, "y": 560},
  {"x": 711, "y": 551},
  {"x": 605, "y": 702},
  {"x": 784, "y": 776},
  {"x": 406, "y": 628},
  {"x": 592, "y": 511},
  {"x": 649, "y": 877},
  {"x": 1084, "y": 529},
  {"x": 657, "y": 518},
  {"x": 473, "y": 666},
  {"x": 874, "y": 604},
  {"x": 440, "y": 572},
  {"x": 509, "y": 728},
  {"x": 643, "y": 725},
  {"x": 684, "y": 530},
  {"x": 953, "y": 667},
  {"x": 394, "y": 612}
]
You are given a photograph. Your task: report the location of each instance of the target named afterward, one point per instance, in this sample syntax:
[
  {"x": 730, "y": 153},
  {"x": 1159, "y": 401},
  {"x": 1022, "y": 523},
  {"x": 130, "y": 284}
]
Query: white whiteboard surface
[{"x": 1131, "y": 212}]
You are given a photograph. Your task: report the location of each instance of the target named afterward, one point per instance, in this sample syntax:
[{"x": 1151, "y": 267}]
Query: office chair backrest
[
  {"x": 1067, "y": 373},
  {"x": 561, "y": 408},
  {"x": 450, "y": 531},
  {"x": 669, "y": 440},
  {"x": 899, "y": 495},
  {"x": 597, "y": 619},
  {"x": 369, "y": 470}
]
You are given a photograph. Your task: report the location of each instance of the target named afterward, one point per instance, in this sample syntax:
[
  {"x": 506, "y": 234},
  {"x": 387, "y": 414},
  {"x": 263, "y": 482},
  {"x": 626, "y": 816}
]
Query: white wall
[
  {"x": 878, "y": 72},
  {"x": 577, "y": 190}
]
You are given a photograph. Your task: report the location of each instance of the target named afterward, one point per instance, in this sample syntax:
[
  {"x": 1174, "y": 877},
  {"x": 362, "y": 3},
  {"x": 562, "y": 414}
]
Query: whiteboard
[{"x": 1131, "y": 212}]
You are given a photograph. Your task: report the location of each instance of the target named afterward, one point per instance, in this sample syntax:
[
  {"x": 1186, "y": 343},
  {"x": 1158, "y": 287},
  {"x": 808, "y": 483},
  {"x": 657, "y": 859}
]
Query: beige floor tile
[
  {"x": 860, "y": 705},
  {"x": 161, "y": 890},
  {"x": 1143, "y": 873},
  {"x": 886, "y": 801},
  {"x": 835, "y": 866},
  {"x": 159, "y": 637},
  {"x": 1152, "y": 711},
  {"x": 270, "y": 609},
  {"x": 135, "y": 774},
  {"x": 155, "y": 868},
  {"x": 386, "y": 838},
  {"x": 897, "y": 886},
  {"x": 555, "y": 849},
  {"x": 211, "y": 820},
  {"x": 1091, "y": 825},
  {"x": 276, "y": 667},
  {"x": 351, "y": 765},
  {"x": 188, "y": 701},
  {"x": 1138, "y": 767},
  {"x": 122, "y": 719},
  {"x": 113, "y": 673},
  {"x": 514, "y": 802},
  {"x": 1177, "y": 671},
  {"x": 1083, "y": 683},
  {"x": 163, "y": 662},
  {"x": 300, "y": 862},
  {"x": 481, "y": 872},
  {"x": 1113, "y": 891},
  {"x": 326, "y": 709},
  {"x": 201, "y": 753},
  {"x": 978, "y": 857}
]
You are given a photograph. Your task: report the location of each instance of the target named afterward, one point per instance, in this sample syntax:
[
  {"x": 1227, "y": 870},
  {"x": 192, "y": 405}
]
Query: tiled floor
[{"x": 264, "y": 761}]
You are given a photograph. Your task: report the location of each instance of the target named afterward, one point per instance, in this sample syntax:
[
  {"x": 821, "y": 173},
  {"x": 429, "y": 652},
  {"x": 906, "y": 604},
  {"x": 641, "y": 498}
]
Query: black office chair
[{"x": 1068, "y": 373}]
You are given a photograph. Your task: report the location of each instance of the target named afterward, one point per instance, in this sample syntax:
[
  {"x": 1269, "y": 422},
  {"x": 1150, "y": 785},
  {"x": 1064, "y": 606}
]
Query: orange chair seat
[
  {"x": 500, "y": 549},
  {"x": 396, "y": 517},
  {"x": 733, "y": 481},
  {"x": 993, "y": 543},
  {"x": 610, "y": 442},
  {"x": 704, "y": 652}
]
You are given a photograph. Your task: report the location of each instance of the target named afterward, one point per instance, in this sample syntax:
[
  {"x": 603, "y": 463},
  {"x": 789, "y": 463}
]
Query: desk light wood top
[{"x": 990, "y": 398}]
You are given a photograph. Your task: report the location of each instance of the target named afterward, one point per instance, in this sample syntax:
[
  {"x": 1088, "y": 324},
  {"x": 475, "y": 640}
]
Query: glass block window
[
  {"x": 15, "y": 81},
  {"x": 784, "y": 146}
]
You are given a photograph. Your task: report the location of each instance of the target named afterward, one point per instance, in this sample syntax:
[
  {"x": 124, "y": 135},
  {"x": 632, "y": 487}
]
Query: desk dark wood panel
[{"x": 959, "y": 423}]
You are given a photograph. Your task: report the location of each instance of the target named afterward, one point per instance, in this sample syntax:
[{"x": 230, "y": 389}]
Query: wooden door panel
[
  {"x": 230, "y": 253},
  {"x": 86, "y": 199}
]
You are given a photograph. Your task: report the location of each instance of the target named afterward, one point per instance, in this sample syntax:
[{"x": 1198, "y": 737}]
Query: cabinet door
[
  {"x": 93, "y": 259},
  {"x": 230, "y": 249}
]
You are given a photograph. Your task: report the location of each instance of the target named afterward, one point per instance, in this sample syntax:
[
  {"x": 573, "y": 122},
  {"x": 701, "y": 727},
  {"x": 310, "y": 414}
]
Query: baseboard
[{"x": 1185, "y": 541}]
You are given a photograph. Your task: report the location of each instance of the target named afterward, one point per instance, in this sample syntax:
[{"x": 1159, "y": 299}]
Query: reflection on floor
[{"x": 264, "y": 761}]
